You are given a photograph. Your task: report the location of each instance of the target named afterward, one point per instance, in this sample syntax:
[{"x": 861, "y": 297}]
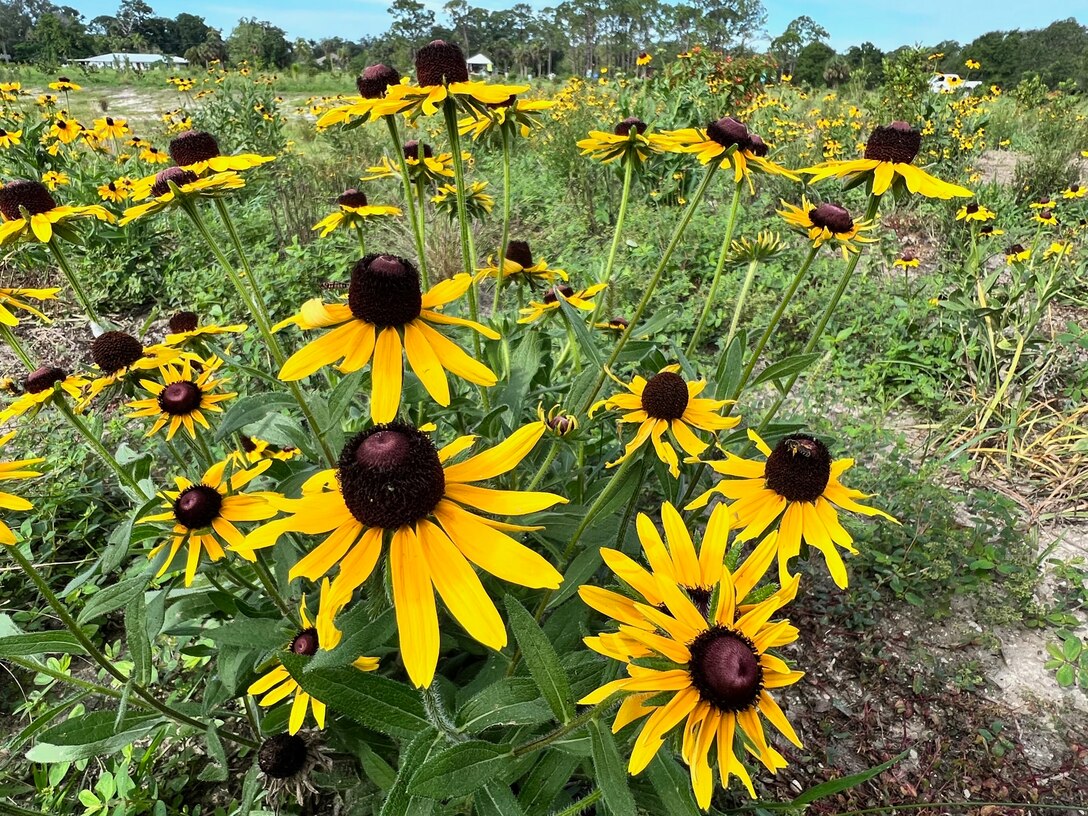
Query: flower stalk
[{"x": 716, "y": 280}]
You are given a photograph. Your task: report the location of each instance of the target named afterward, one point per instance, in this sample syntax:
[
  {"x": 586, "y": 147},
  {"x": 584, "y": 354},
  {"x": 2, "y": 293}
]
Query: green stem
[
  {"x": 715, "y": 282},
  {"x": 263, "y": 326},
  {"x": 547, "y": 463},
  {"x": 583, "y": 803},
  {"x": 435, "y": 709},
  {"x": 991, "y": 406},
  {"x": 468, "y": 262},
  {"x": 260, "y": 303},
  {"x": 506, "y": 210},
  {"x": 773, "y": 324},
  {"x": 96, "y": 445},
  {"x": 104, "y": 662},
  {"x": 73, "y": 281},
  {"x": 598, "y": 504},
  {"x": 87, "y": 685},
  {"x": 406, "y": 181},
  {"x": 621, "y": 218},
  {"x": 13, "y": 343},
  {"x": 268, "y": 581},
  {"x": 844, "y": 281},
  {"x": 362, "y": 240},
  {"x": 677, "y": 234},
  {"x": 562, "y": 731}
]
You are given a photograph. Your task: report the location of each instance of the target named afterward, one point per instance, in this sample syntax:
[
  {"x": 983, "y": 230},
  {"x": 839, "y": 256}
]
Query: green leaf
[
  {"x": 543, "y": 662},
  {"x": 497, "y": 800},
  {"x": 343, "y": 394},
  {"x": 253, "y": 633},
  {"x": 833, "y": 786},
  {"x": 91, "y": 735},
  {"x": 112, "y": 598},
  {"x": 248, "y": 410},
  {"x": 1066, "y": 675},
  {"x": 550, "y": 775},
  {"x": 370, "y": 699},
  {"x": 785, "y": 368},
  {"x": 610, "y": 771},
  {"x": 139, "y": 645},
  {"x": 427, "y": 742},
  {"x": 510, "y": 701},
  {"x": 461, "y": 769},
  {"x": 672, "y": 784},
  {"x": 577, "y": 322},
  {"x": 36, "y": 643},
  {"x": 363, "y": 637},
  {"x": 217, "y": 770},
  {"x": 1071, "y": 649}
]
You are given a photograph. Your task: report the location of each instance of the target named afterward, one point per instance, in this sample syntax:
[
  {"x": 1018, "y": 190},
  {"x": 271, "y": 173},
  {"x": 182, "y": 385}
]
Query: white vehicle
[{"x": 951, "y": 83}]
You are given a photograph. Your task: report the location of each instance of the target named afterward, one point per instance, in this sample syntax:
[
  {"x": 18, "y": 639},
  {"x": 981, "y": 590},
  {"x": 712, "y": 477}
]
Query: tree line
[{"x": 580, "y": 37}]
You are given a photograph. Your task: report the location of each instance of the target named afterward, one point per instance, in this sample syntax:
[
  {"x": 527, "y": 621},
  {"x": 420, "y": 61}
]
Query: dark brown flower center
[
  {"x": 384, "y": 290},
  {"x": 1046, "y": 215},
  {"x": 1015, "y": 249},
  {"x": 176, "y": 175},
  {"x": 799, "y": 468},
  {"x": 248, "y": 445},
  {"x": 183, "y": 322},
  {"x": 115, "y": 350},
  {"x": 625, "y": 127},
  {"x": 374, "y": 80},
  {"x": 193, "y": 146},
  {"x": 390, "y": 476},
  {"x": 180, "y": 398},
  {"x": 306, "y": 642},
  {"x": 352, "y": 198},
  {"x": 832, "y": 217},
  {"x": 197, "y": 506},
  {"x": 44, "y": 378},
  {"x": 897, "y": 143},
  {"x": 440, "y": 63},
  {"x": 725, "y": 669},
  {"x": 411, "y": 150},
  {"x": 727, "y": 132},
  {"x": 700, "y": 596},
  {"x": 665, "y": 396},
  {"x": 519, "y": 253},
  {"x": 552, "y": 295},
  {"x": 33, "y": 196},
  {"x": 971, "y": 209},
  {"x": 283, "y": 756},
  {"x": 619, "y": 323}
]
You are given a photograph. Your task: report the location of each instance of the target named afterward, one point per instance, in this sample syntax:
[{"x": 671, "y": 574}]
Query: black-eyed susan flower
[
  {"x": 1017, "y": 253},
  {"x": 888, "y": 155},
  {"x": 9, "y": 138},
  {"x": 799, "y": 482},
  {"x": 287, "y": 762},
  {"x": 43, "y": 216},
  {"x": 423, "y": 165},
  {"x": 17, "y": 299},
  {"x": 719, "y": 139},
  {"x": 614, "y": 324},
  {"x": 392, "y": 480},
  {"x": 908, "y": 260},
  {"x": 386, "y": 314},
  {"x": 478, "y": 203},
  {"x": 204, "y": 514},
  {"x": 115, "y": 191},
  {"x": 1072, "y": 191},
  {"x": 580, "y": 299},
  {"x": 110, "y": 128},
  {"x": 667, "y": 403},
  {"x": 1046, "y": 217},
  {"x": 988, "y": 230},
  {"x": 320, "y": 634},
  {"x": 198, "y": 152},
  {"x": 64, "y": 84},
  {"x": 644, "y": 58},
  {"x": 442, "y": 73},
  {"x": 55, "y": 178},
  {"x": 627, "y": 141},
  {"x": 373, "y": 84},
  {"x": 117, "y": 355},
  {"x": 975, "y": 212},
  {"x": 14, "y": 471},
  {"x": 1058, "y": 249},
  {"x": 516, "y": 115},
  {"x": 973, "y": 65},
  {"x": 827, "y": 222},
  {"x": 714, "y": 672},
  {"x": 39, "y": 387},
  {"x": 65, "y": 130},
  {"x": 184, "y": 328},
  {"x": 353, "y": 211},
  {"x": 520, "y": 266},
  {"x": 1045, "y": 203},
  {"x": 254, "y": 450},
  {"x": 153, "y": 155},
  {"x": 183, "y": 396},
  {"x": 188, "y": 185},
  {"x": 557, "y": 421}
]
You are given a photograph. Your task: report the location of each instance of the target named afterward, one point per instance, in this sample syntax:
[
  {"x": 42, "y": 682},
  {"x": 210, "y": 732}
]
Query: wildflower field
[{"x": 674, "y": 441}]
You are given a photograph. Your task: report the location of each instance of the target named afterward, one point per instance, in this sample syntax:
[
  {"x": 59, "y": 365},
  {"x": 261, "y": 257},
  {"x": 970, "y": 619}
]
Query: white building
[
  {"x": 480, "y": 64},
  {"x": 121, "y": 60}
]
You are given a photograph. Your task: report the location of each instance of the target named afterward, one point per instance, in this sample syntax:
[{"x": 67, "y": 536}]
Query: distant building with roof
[
  {"x": 480, "y": 64},
  {"x": 120, "y": 59}
]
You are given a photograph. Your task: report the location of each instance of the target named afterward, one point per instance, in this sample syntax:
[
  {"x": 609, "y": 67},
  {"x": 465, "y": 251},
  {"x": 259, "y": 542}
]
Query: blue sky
[{"x": 888, "y": 24}]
